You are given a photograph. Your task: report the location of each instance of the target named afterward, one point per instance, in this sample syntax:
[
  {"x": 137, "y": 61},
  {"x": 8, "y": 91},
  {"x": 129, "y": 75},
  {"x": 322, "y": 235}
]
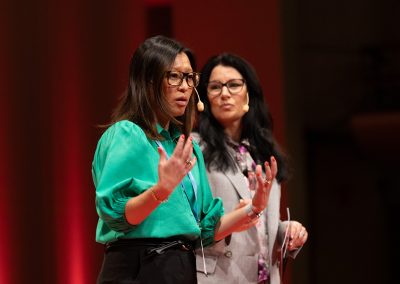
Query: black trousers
[{"x": 137, "y": 262}]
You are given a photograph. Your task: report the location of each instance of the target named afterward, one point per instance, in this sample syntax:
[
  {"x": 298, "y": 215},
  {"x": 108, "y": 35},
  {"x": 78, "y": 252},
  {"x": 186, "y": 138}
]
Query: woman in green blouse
[{"x": 152, "y": 194}]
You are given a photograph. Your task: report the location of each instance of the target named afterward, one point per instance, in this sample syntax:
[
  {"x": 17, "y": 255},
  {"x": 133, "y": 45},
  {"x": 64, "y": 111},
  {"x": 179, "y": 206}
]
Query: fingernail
[
  {"x": 182, "y": 136},
  {"x": 190, "y": 138}
]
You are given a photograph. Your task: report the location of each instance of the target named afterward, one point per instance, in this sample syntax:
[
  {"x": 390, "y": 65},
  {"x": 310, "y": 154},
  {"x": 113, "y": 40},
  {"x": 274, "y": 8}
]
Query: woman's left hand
[
  {"x": 261, "y": 196},
  {"x": 298, "y": 235}
]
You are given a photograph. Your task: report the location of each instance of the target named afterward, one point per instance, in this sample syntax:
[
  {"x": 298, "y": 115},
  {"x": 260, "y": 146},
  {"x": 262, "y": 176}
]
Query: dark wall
[{"x": 342, "y": 70}]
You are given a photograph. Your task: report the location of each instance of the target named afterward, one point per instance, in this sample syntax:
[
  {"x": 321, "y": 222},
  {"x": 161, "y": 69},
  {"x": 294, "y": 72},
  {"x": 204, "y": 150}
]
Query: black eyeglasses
[
  {"x": 175, "y": 78},
  {"x": 234, "y": 86}
]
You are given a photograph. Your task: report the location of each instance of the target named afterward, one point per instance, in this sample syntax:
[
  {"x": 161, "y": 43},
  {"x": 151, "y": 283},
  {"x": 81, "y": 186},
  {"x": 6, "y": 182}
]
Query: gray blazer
[{"x": 235, "y": 259}]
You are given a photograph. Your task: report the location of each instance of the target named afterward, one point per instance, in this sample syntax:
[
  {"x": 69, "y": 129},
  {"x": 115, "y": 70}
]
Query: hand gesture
[
  {"x": 171, "y": 171},
  {"x": 261, "y": 196}
]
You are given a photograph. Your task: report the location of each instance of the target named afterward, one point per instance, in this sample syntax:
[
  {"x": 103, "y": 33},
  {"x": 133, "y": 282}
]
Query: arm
[
  {"x": 124, "y": 169},
  {"x": 171, "y": 173},
  {"x": 235, "y": 220}
]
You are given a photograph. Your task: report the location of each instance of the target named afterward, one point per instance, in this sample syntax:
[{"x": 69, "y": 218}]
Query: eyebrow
[
  {"x": 186, "y": 71},
  {"x": 218, "y": 81}
]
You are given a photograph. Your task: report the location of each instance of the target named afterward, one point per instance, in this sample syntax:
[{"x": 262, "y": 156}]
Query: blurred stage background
[{"x": 331, "y": 76}]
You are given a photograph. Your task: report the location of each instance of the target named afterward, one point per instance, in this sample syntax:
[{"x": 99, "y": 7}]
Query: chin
[{"x": 178, "y": 113}]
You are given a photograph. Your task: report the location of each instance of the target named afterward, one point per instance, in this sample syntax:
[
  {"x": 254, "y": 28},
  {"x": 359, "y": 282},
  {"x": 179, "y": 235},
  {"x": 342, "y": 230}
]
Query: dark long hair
[
  {"x": 257, "y": 123},
  {"x": 144, "y": 97}
]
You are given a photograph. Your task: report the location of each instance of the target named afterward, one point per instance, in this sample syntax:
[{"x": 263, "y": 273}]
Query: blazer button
[{"x": 228, "y": 254}]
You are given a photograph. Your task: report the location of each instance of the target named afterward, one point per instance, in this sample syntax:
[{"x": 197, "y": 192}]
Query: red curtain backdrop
[
  {"x": 63, "y": 65},
  {"x": 6, "y": 160},
  {"x": 250, "y": 29},
  {"x": 70, "y": 155}
]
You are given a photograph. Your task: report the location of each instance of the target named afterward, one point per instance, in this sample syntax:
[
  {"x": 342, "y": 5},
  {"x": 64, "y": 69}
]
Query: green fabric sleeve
[
  {"x": 213, "y": 209},
  {"x": 119, "y": 156}
]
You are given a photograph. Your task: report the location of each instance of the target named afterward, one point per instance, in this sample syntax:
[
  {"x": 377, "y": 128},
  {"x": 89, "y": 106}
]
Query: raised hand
[
  {"x": 264, "y": 185},
  {"x": 171, "y": 171}
]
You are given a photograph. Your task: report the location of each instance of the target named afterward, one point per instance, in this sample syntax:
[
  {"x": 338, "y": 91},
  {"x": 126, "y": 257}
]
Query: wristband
[
  {"x": 252, "y": 213},
  {"x": 156, "y": 198}
]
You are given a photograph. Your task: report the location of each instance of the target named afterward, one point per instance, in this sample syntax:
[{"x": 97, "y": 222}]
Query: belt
[{"x": 154, "y": 245}]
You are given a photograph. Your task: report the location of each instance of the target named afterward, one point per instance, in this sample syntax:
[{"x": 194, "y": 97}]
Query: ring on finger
[
  {"x": 188, "y": 163},
  {"x": 267, "y": 181}
]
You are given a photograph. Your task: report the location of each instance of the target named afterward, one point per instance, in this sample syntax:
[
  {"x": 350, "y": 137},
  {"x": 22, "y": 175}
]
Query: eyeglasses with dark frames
[
  {"x": 234, "y": 86},
  {"x": 175, "y": 78}
]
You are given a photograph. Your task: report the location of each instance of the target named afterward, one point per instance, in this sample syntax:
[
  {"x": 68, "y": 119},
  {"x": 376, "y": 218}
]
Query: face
[
  {"x": 177, "y": 97},
  {"x": 227, "y": 108}
]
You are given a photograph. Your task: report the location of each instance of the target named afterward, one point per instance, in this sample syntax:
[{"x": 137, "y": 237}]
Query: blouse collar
[{"x": 171, "y": 134}]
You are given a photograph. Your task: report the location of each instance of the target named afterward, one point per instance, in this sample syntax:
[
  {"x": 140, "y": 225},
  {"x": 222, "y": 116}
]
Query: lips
[
  {"x": 181, "y": 101},
  {"x": 226, "y": 106}
]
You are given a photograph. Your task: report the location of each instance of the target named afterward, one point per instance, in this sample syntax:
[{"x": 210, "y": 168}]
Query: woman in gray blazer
[{"x": 235, "y": 134}]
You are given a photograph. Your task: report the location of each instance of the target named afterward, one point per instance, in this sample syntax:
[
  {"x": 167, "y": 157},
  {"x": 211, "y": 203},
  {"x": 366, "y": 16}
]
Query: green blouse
[{"x": 125, "y": 164}]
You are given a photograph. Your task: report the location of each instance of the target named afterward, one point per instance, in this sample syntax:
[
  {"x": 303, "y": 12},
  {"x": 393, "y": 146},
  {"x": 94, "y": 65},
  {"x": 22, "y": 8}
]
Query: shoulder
[
  {"x": 121, "y": 131},
  {"x": 122, "y": 140},
  {"x": 197, "y": 140},
  {"x": 124, "y": 128},
  {"x": 196, "y": 137}
]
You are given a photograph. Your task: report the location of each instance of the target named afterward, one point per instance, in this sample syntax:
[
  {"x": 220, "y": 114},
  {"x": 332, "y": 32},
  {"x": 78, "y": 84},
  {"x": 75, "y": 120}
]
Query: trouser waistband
[{"x": 153, "y": 245}]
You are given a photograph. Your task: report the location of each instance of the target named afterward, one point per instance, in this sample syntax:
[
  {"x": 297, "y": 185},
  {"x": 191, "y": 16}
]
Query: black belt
[{"x": 154, "y": 245}]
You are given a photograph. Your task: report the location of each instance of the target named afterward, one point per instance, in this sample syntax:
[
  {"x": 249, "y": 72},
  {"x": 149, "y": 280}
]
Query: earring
[{"x": 246, "y": 106}]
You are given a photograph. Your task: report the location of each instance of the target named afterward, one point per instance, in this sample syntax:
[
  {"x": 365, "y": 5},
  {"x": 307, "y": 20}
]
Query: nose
[
  {"x": 225, "y": 92},
  {"x": 184, "y": 84}
]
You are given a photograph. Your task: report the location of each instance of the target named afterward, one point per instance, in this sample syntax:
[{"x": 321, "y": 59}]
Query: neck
[
  {"x": 164, "y": 124},
  {"x": 234, "y": 131},
  {"x": 162, "y": 119}
]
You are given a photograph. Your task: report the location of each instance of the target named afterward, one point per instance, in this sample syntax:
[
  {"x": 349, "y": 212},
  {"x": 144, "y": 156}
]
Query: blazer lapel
[{"x": 239, "y": 183}]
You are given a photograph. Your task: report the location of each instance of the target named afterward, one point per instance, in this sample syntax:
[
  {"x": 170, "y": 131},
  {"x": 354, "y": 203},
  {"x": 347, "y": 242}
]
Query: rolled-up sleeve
[
  {"x": 213, "y": 209},
  {"x": 119, "y": 172},
  {"x": 210, "y": 221}
]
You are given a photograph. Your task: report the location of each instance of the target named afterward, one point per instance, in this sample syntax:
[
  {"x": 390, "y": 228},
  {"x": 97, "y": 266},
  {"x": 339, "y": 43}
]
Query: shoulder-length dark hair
[
  {"x": 144, "y": 97},
  {"x": 256, "y": 123}
]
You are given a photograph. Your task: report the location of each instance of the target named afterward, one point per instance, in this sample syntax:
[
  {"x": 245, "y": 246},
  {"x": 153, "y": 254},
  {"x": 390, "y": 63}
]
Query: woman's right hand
[
  {"x": 264, "y": 186},
  {"x": 171, "y": 171},
  {"x": 236, "y": 221}
]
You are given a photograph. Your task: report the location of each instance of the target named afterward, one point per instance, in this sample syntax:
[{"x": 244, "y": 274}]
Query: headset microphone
[
  {"x": 200, "y": 105},
  {"x": 246, "y": 106}
]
